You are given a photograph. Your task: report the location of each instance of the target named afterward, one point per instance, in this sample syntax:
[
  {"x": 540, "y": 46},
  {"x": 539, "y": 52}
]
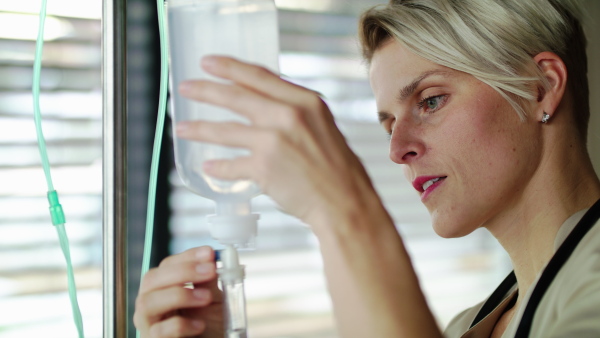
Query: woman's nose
[{"x": 405, "y": 145}]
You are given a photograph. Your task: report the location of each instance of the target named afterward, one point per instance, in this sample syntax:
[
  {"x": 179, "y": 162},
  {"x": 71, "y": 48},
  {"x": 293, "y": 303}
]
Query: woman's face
[{"x": 462, "y": 146}]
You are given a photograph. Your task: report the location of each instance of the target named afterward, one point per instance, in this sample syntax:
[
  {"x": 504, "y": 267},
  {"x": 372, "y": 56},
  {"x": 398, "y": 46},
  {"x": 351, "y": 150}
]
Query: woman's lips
[{"x": 426, "y": 184}]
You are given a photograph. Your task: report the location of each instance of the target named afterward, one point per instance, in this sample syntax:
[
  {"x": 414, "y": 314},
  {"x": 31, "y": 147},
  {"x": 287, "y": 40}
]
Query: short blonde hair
[{"x": 493, "y": 40}]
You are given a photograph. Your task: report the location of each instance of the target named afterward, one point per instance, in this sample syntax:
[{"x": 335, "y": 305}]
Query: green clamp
[{"x": 56, "y": 211}]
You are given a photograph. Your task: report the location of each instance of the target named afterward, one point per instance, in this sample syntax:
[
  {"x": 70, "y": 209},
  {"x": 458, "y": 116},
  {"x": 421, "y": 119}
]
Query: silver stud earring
[{"x": 545, "y": 117}]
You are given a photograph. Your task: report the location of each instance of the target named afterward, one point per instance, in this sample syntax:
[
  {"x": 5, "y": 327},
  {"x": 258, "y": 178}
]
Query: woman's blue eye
[{"x": 432, "y": 103}]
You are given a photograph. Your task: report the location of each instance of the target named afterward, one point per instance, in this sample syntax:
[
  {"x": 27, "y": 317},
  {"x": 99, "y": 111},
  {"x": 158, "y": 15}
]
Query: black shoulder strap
[
  {"x": 496, "y": 298},
  {"x": 558, "y": 260},
  {"x": 560, "y": 257}
]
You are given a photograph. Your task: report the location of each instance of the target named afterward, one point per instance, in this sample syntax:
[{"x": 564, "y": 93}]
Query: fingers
[
  {"x": 162, "y": 298},
  {"x": 261, "y": 110},
  {"x": 240, "y": 168},
  {"x": 156, "y": 304},
  {"x": 296, "y": 149},
  {"x": 202, "y": 254},
  {"x": 178, "y": 326},
  {"x": 256, "y": 77},
  {"x": 177, "y": 275},
  {"x": 257, "y": 93},
  {"x": 266, "y": 146},
  {"x": 241, "y": 135},
  {"x": 221, "y": 95},
  {"x": 266, "y": 100},
  {"x": 178, "y": 271}
]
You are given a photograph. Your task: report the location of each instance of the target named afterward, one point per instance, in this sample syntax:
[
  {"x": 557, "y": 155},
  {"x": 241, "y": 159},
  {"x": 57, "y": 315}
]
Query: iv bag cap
[{"x": 233, "y": 229}]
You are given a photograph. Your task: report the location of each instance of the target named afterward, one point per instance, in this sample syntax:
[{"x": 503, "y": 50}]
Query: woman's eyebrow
[
  {"x": 382, "y": 116},
  {"x": 408, "y": 90}
]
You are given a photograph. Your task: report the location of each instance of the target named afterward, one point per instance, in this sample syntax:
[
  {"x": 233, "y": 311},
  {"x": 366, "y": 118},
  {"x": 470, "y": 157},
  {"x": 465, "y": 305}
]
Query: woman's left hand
[{"x": 298, "y": 156}]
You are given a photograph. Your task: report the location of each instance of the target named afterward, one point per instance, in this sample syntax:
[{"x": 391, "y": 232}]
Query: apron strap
[
  {"x": 496, "y": 298},
  {"x": 558, "y": 260}
]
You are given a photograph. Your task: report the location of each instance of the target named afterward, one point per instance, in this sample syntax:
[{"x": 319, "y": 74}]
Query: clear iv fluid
[
  {"x": 235, "y": 306},
  {"x": 244, "y": 29}
]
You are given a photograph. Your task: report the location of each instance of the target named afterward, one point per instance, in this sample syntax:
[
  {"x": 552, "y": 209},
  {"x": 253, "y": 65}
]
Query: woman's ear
[{"x": 555, "y": 71}]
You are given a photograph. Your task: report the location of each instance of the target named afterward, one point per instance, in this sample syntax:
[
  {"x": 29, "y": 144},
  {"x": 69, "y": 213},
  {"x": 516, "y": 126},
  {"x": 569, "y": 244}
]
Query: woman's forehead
[
  {"x": 395, "y": 64},
  {"x": 395, "y": 59}
]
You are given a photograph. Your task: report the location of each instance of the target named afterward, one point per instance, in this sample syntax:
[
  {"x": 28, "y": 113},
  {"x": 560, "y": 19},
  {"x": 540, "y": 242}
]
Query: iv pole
[{"x": 114, "y": 161}]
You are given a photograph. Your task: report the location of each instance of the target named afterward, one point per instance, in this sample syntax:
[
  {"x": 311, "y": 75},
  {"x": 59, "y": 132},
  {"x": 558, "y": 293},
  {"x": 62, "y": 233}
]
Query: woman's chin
[{"x": 446, "y": 229}]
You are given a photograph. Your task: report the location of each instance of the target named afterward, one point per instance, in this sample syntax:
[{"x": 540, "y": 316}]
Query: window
[{"x": 33, "y": 280}]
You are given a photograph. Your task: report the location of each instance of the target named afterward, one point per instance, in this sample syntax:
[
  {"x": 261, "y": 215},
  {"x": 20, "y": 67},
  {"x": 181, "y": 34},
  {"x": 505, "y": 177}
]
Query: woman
[{"x": 486, "y": 104}]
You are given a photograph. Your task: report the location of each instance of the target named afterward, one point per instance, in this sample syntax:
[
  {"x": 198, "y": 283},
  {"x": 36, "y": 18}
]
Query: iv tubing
[
  {"x": 56, "y": 211},
  {"x": 160, "y": 122}
]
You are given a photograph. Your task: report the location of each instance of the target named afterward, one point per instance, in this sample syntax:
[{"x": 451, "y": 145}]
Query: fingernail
[
  {"x": 182, "y": 127},
  {"x": 185, "y": 87},
  {"x": 196, "y": 324},
  {"x": 208, "y": 165},
  {"x": 203, "y": 253},
  {"x": 209, "y": 62},
  {"x": 203, "y": 268},
  {"x": 201, "y": 294}
]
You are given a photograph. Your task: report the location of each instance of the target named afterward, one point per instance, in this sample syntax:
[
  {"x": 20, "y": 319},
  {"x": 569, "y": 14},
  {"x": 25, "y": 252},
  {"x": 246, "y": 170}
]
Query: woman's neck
[{"x": 528, "y": 231}]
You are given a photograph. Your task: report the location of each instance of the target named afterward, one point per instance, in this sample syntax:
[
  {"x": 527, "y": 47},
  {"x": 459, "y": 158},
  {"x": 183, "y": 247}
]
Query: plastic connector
[
  {"x": 56, "y": 210},
  {"x": 232, "y": 276}
]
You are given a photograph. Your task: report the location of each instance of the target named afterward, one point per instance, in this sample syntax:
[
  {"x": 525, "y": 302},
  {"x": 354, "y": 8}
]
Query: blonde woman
[{"x": 486, "y": 104}]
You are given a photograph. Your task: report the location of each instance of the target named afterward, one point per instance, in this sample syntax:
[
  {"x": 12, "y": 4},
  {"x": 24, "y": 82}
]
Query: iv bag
[{"x": 244, "y": 29}]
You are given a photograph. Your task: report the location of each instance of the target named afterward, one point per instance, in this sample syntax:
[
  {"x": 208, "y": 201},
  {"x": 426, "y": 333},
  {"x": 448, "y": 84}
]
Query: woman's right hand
[{"x": 165, "y": 308}]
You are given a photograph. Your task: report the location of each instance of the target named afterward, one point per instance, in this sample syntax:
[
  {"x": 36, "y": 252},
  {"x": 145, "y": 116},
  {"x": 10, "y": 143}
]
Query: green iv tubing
[
  {"x": 56, "y": 212},
  {"x": 160, "y": 122}
]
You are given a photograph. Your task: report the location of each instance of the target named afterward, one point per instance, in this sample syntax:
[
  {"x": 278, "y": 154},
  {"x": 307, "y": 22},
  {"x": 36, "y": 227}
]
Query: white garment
[{"x": 569, "y": 308}]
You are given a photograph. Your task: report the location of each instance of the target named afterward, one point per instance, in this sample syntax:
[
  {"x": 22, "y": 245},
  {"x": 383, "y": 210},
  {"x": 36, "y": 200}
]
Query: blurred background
[{"x": 286, "y": 290}]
